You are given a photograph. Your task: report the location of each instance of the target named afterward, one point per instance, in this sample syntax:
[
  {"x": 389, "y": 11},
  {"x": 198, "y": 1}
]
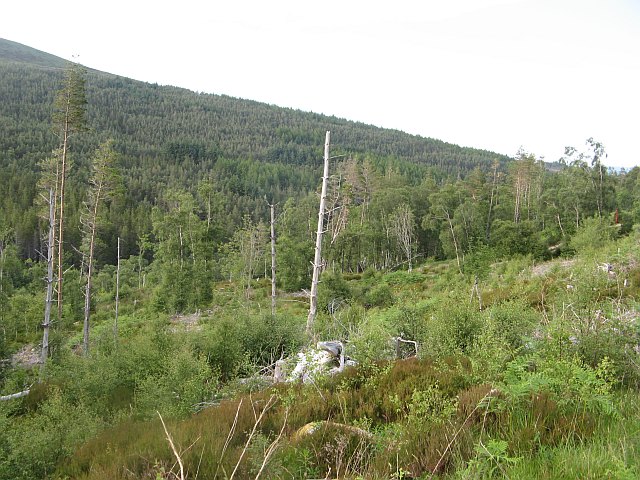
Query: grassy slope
[{"x": 564, "y": 403}]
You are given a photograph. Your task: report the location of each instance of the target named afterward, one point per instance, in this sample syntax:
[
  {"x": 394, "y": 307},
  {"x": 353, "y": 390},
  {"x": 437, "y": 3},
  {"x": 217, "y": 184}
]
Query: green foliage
[
  {"x": 527, "y": 385},
  {"x": 267, "y": 338},
  {"x": 378, "y": 296},
  {"x": 333, "y": 291},
  {"x": 453, "y": 329},
  {"x": 221, "y": 344},
  {"x": 35, "y": 444},
  {"x": 185, "y": 381},
  {"x": 593, "y": 233}
]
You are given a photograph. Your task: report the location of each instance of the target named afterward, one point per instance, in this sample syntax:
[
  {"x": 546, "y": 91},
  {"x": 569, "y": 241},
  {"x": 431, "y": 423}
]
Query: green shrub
[
  {"x": 452, "y": 330},
  {"x": 593, "y": 233},
  {"x": 402, "y": 277},
  {"x": 38, "y": 441},
  {"x": 185, "y": 381},
  {"x": 221, "y": 344},
  {"x": 333, "y": 291},
  {"x": 378, "y": 296},
  {"x": 267, "y": 338}
]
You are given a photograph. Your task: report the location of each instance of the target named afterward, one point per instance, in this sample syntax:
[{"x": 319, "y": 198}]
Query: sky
[{"x": 494, "y": 74}]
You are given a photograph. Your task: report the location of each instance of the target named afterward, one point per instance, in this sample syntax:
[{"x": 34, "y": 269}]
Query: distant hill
[
  {"x": 16, "y": 52},
  {"x": 151, "y": 120}
]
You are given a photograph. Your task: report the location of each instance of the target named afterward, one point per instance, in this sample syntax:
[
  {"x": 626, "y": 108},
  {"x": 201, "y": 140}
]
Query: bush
[
  {"x": 185, "y": 381},
  {"x": 378, "y": 296},
  {"x": 592, "y": 234},
  {"x": 333, "y": 292},
  {"x": 35, "y": 444},
  {"x": 452, "y": 330},
  {"x": 267, "y": 338}
]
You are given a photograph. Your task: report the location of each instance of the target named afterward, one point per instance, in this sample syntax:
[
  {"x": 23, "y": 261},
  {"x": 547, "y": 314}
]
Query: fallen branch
[
  {"x": 13, "y": 396},
  {"x": 400, "y": 340}
]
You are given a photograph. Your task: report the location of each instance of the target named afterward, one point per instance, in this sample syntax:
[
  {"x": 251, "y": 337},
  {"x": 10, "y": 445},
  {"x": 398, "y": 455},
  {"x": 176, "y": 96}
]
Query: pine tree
[{"x": 69, "y": 117}]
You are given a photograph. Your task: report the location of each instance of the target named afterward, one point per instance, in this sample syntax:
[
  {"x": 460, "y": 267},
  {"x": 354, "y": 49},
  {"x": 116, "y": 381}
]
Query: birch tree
[
  {"x": 403, "y": 227},
  {"x": 272, "y": 222}
]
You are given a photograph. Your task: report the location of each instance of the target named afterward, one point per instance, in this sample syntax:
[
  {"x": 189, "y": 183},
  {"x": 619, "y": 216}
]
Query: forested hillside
[
  {"x": 141, "y": 276},
  {"x": 171, "y": 137}
]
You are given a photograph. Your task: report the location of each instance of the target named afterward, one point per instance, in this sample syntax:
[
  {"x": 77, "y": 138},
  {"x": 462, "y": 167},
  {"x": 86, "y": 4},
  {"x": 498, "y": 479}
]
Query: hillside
[
  {"x": 16, "y": 52},
  {"x": 148, "y": 119},
  {"x": 479, "y": 318},
  {"x": 169, "y": 137}
]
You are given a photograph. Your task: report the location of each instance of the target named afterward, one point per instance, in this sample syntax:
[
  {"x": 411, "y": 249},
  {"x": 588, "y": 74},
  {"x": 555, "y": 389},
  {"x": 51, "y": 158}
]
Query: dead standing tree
[
  {"x": 403, "y": 224},
  {"x": 272, "y": 222},
  {"x": 313, "y": 295},
  {"x": 48, "y": 182}
]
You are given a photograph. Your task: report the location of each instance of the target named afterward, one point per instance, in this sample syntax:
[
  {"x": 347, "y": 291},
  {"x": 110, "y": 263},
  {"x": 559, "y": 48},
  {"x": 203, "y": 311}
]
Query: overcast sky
[{"x": 493, "y": 74}]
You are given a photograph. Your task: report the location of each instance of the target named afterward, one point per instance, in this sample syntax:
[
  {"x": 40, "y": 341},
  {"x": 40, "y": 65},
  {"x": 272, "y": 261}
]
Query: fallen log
[{"x": 13, "y": 396}]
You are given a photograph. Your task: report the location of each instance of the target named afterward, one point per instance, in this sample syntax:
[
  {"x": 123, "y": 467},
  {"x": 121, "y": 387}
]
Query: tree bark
[
  {"x": 313, "y": 296},
  {"x": 115, "y": 324},
  {"x": 272, "y": 209},
  {"x": 63, "y": 174},
  {"x": 24, "y": 393},
  {"x": 49, "y": 297},
  {"x": 453, "y": 237},
  {"x": 87, "y": 297}
]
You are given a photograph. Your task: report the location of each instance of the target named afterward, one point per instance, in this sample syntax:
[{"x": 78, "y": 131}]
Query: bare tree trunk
[
  {"x": 49, "y": 298},
  {"x": 273, "y": 259},
  {"x": 493, "y": 189},
  {"x": 560, "y": 224},
  {"x": 313, "y": 296},
  {"x": 63, "y": 174},
  {"x": 402, "y": 221},
  {"x": 453, "y": 237},
  {"x": 115, "y": 324},
  {"x": 24, "y": 393},
  {"x": 87, "y": 296}
]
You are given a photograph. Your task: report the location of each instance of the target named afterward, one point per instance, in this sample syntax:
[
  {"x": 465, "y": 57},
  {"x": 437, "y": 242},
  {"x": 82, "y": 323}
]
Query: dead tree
[
  {"x": 313, "y": 296},
  {"x": 272, "y": 222},
  {"x": 48, "y": 182},
  {"x": 403, "y": 223},
  {"x": 13, "y": 396},
  {"x": 46, "y": 324},
  {"x": 115, "y": 322}
]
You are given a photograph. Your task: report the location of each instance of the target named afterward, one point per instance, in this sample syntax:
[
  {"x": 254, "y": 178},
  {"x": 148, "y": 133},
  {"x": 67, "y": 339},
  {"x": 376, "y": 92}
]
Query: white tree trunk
[
  {"x": 115, "y": 324},
  {"x": 313, "y": 296},
  {"x": 24, "y": 393},
  {"x": 273, "y": 259},
  {"x": 49, "y": 298}
]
